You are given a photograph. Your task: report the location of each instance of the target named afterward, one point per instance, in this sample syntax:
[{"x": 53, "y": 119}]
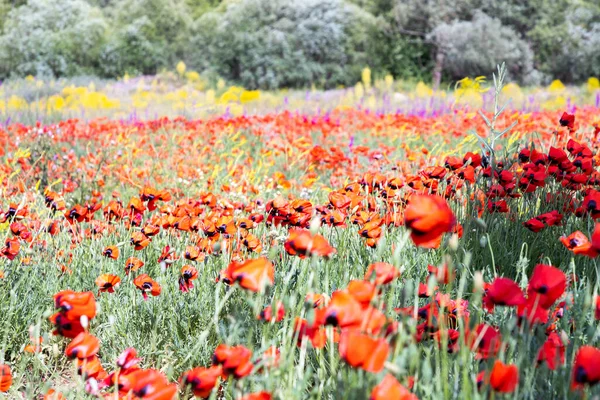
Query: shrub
[
  {"x": 52, "y": 38},
  {"x": 277, "y": 43},
  {"x": 580, "y": 55},
  {"x": 474, "y": 47},
  {"x": 149, "y": 35}
]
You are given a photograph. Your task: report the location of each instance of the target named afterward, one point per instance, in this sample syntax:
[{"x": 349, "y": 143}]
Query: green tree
[
  {"x": 148, "y": 35},
  {"x": 50, "y": 38},
  {"x": 284, "y": 43}
]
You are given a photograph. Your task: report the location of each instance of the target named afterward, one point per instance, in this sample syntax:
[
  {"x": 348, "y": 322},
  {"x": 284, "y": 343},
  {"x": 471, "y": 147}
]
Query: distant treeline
[{"x": 270, "y": 44}]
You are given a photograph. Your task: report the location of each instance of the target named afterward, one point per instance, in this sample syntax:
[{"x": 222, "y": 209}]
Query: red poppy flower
[
  {"x": 133, "y": 264},
  {"x": 532, "y": 311},
  {"x": 534, "y": 225},
  {"x": 302, "y": 243},
  {"x": 186, "y": 276},
  {"x": 504, "y": 377},
  {"x": 473, "y": 159},
  {"x": 139, "y": 240},
  {"x": 167, "y": 256},
  {"x": 202, "y": 380},
  {"x": 64, "y": 326},
  {"x": 585, "y": 367},
  {"x": 107, "y": 283},
  {"x": 5, "y": 378},
  {"x": 146, "y": 284},
  {"x": 389, "y": 388},
  {"x": 486, "y": 340},
  {"x": 257, "y": 396},
  {"x": 151, "y": 384},
  {"x": 503, "y": 292},
  {"x": 424, "y": 290},
  {"x": 428, "y": 218},
  {"x": 547, "y": 284},
  {"x": 111, "y": 252},
  {"x": 384, "y": 273},
  {"x": 578, "y": 243},
  {"x": 363, "y": 351},
  {"x": 270, "y": 358},
  {"x": 128, "y": 359},
  {"x": 567, "y": 120},
  {"x": 91, "y": 368},
  {"x": 253, "y": 275},
  {"x": 552, "y": 351},
  {"x": 314, "y": 332},
  {"x": 442, "y": 274},
  {"x": 267, "y": 313},
  {"x": 54, "y": 395},
  {"x": 74, "y": 305},
  {"x": 344, "y": 310},
  {"x": 316, "y": 299},
  {"x": 192, "y": 253},
  {"x": 234, "y": 360},
  {"x": 11, "y": 248},
  {"x": 76, "y": 214},
  {"x": 83, "y": 346},
  {"x": 498, "y": 206}
]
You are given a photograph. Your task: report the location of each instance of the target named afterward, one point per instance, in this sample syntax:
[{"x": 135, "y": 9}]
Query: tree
[
  {"x": 419, "y": 18},
  {"x": 473, "y": 48},
  {"x": 283, "y": 43},
  {"x": 50, "y": 38},
  {"x": 148, "y": 35}
]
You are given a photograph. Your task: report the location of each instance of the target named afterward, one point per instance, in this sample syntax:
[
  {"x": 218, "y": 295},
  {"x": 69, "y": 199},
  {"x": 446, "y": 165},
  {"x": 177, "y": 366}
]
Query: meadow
[{"x": 166, "y": 238}]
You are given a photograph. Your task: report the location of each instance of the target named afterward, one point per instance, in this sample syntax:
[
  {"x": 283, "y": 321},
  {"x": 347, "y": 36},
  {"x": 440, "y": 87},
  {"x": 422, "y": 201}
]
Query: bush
[
  {"x": 149, "y": 35},
  {"x": 52, "y": 38},
  {"x": 580, "y": 51},
  {"x": 283, "y": 43},
  {"x": 475, "y": 47}
]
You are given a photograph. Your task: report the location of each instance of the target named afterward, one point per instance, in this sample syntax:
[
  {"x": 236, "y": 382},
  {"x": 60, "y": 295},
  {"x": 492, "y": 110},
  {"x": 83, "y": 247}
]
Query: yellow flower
[
  {"x": 423, "y": 90},
  {"x": 389, "y": 81},
  {"x": 593, "y": 84},
  {"x": 249, "y": 95},
  {"x": 16, "y": 103},
  {"x": 180, "y": 68},
  {"x": 366, "y": 78},
  {"x": 556, "y": 86},
  {"x": 359, "y": 90}
]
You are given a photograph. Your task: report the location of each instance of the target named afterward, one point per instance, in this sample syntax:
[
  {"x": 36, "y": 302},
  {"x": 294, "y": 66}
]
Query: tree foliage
[
  {"x": 275, "y": 43},
  {"x": 291, "y": 43}
]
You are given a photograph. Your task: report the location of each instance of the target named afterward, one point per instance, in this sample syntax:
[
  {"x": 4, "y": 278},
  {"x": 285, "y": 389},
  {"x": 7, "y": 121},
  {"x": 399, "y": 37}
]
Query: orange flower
[
  {"x": 133, "y": 264},
  {"x": 5, "y": 378},
  {"x": 74, "y": 305},
  {"x": 146, "y": 284},
  {"x": 389, "y": 388},
  {"x": 384, "y": 273},
  {"x": 234, "y": 360},
  {"x": 139, "y": 240},
  {"x": 107, "y": 283},
  {"x": 428, "y": 217},
  {"x": 111, "y": 252},
  {"x": 202, "y": 380},
  {"x": 186, "y": 276},
  {"x": 362, "y": 351},
  {"x": 504, "y": 377},
  {"x": 253, "y": 275},
  {"x": 302, "y": 243},
  {"x": 83, "y": 346}
]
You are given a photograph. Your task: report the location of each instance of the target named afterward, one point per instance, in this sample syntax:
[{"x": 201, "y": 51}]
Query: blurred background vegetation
[{"x": 268, "y": 44}]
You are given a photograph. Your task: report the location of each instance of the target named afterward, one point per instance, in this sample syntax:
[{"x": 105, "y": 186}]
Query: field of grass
[{"x": 303, "y": 250}]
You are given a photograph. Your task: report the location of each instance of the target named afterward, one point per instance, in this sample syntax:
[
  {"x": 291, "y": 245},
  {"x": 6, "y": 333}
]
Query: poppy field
[{"x": 341, "y": 253}]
